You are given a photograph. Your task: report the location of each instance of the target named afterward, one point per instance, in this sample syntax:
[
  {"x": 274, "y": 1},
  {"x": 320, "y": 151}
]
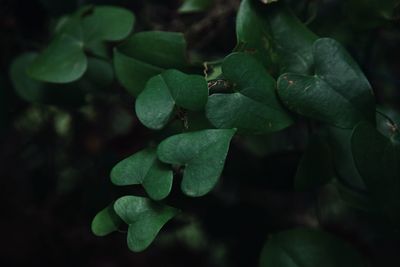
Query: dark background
[{"x": 55, "y": 161}]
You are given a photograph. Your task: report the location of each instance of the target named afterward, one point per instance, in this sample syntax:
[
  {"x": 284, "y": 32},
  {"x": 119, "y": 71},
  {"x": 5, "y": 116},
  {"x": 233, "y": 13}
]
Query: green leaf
[
  {"x": 308, "y": 248},
  {"x": 155, "y": 105},
  {"x": 338, "y": 93},
  {"x": 37, "y": 92},
  {"x": 62, "y": 61},
  {"x": 133, "y": 74},
  {"x": 105, "y": 222},
  {"x": 145, "y": 219},
  {"x": 275, "y": 36},
  {"x": 190, "y": 6},
  {"x": 254, "y": 107},
  {"x": 254, "y": 33},
  {"x": 144, "y": 168},
  {"x": 202, "y": 153},
  {"x": 378, "y": 160},
  {"x": 27, "y": 88},
  {"x": 70, "y": 25},
  {"x": 107, "y": 23},
  {"x": 293, "y": 40},
  {"x": 146, "y": 54},
  {"x": 316, "y": 166}
]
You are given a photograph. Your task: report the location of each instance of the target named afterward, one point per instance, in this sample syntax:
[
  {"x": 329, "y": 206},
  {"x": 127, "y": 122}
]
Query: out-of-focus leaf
[
  {"x": 147, "y": 54},
  {"x": 268, "y": 1},
  {"x": 62, "y": 61},
  {"x": 190, "y": 6},
  {"x": 107, "y": 23},
  {"x": 39, "y": 92},
  {"x": 309, "y": 248}
]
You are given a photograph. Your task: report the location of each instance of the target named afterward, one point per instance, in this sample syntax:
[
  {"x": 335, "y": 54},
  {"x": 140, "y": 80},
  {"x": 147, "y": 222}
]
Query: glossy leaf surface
[
  {"x": 338, "y": 93},
  {"x": 155, "y": 105},
  {"x": 202, "y": 154},
  {"x": 254, "y": 107},
  {"x": 254, "y": 34},
  {"x": 275, "y": 36},
  {"x": 145, "y": 219},
  {"x": 144, "y": 168}
]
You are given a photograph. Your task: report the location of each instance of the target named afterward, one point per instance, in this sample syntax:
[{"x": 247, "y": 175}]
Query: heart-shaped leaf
[
  {"x": 202, "y": 153},
  {"x": 275, "y": 36},
  {"x": 40, "y": 92},
  {"x": 145, "y": 219},
  {"x": 254, "y": 107},
  {"x": 62, "y": 61},
  {"x": 338, "y": 93},
  {"x": 105, "y": 222},
  {"x": 146, "y": 54},
  {"x": 107, "y": 23},
  {"x": 378, "y": 160},
  {"x": 155, "y": 105},
  {"x": 99, "y": 75},
  {"x": 93, "y": 24},
  {"x": 144, "y": 168},
  {"x": 309, "y": 248}
]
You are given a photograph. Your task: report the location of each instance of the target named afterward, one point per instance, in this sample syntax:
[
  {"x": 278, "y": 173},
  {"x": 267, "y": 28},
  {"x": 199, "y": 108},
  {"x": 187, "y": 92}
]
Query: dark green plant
[{"x": 280, "y": 75}]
